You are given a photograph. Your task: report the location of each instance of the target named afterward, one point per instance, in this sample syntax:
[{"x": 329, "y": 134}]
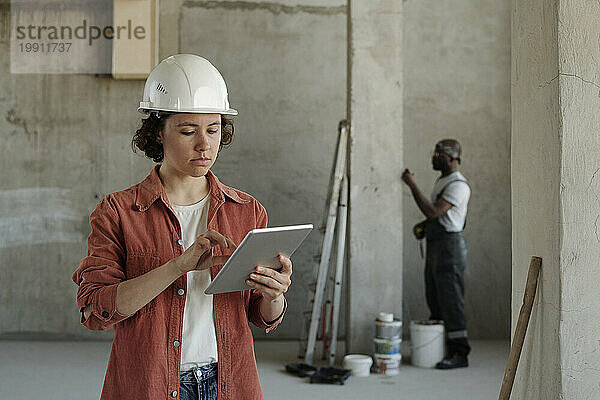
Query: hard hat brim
[{"x": 230, "y": 111}]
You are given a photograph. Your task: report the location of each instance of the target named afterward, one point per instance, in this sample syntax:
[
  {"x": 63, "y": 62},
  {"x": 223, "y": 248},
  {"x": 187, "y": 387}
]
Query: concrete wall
[
  {"x": 555, "y": 86},
  {"x": 579, "y": 80},
  {"x": 66, "y": 140},
  {"x": 286, "y": 74},
  {"x": 457, "y": 85},
  {"x": 535, "y": 189},
  {"x": 375, "y": 91}
]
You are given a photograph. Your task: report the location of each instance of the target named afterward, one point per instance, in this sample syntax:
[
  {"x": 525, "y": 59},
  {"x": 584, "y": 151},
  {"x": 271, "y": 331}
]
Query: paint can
[
  {"x": 388, "y": 364},
  {"x": 426, "y": 342},
  {"x": 387, "y": 346},
  {"x": 388, "y": 329},
  {"x": 360, "y": 364}
]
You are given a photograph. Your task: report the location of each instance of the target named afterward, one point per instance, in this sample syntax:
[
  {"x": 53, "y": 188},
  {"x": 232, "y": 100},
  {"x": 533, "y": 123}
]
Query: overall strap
[
  {"x": 444, "y": 188},
  {"x": 448, "y": 184}
]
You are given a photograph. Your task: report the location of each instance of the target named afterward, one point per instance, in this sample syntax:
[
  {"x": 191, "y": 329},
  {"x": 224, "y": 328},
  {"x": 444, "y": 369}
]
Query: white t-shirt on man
[
  {"x": 457, "y": 192},
  {"x": 198, "y": 341}
]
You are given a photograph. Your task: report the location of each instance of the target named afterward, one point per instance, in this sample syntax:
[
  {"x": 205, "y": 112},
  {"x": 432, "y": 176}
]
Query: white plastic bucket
[
  {"x": 427, "y": 343},
  {"x": 388, "y": 364},
  {"x": 360, "y": 364}
]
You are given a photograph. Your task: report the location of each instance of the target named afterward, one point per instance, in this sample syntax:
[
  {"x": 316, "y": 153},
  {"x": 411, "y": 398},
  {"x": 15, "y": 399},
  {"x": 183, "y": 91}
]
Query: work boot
[{"x": 454, "y": 361}]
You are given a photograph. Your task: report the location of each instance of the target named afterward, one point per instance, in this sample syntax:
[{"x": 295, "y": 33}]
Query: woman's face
[{"x": 191, "y": 142}]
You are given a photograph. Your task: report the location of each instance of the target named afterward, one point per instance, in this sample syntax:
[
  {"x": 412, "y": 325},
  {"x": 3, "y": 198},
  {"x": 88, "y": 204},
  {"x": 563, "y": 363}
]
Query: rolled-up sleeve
[
  {"x": 256, "y": 297},
  {"x": 256, "y": 317},
  {"x": 100, "y": 272}
]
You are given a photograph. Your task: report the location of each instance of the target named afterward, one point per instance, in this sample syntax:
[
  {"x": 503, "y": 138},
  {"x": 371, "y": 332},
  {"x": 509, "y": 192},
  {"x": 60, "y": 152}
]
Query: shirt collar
[{"x": 151, "y": 189}]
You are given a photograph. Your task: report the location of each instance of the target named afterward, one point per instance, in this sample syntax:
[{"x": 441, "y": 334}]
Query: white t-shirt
[
  {"x": 456, "y": 193},
  {"x": 198, "y": 341}
]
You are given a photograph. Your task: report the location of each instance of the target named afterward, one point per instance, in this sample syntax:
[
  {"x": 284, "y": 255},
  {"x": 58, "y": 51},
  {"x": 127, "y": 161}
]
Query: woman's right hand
[{"x": 199, "y": 256}]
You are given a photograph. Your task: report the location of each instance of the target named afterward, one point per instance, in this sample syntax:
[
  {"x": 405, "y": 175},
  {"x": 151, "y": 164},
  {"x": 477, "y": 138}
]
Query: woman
[{"x": 155, "y": 247}]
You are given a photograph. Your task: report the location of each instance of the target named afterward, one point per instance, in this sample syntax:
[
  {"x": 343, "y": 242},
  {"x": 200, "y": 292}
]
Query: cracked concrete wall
[
  {"x": 535, "y": 189},
  {"x": 579, "y": 91},
  {"x": 66, "y": 141},
  {"x": 555, "y": 193},
  {"x": 457, "y": 84}
]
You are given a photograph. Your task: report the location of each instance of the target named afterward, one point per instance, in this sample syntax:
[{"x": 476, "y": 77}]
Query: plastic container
[
  {"x": 388, "y": 329},
  {"x": 388, "y": 364},
  {"x": 387, "y": 346},
  {"x": 386, "y": 317},
  {"x": 427, "y": 343},
  {"x": 360, "y": 364}
]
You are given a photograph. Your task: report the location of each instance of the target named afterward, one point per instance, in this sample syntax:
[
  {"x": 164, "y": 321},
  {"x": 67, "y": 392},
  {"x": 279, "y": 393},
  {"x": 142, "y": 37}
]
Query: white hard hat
[{"x": 186, "y": 83}]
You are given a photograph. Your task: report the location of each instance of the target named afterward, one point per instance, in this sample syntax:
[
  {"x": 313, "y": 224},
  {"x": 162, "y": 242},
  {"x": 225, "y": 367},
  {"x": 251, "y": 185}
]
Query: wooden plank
[
  {"x": 135, "y": 49},
  {"x": 521, "y": 328}
]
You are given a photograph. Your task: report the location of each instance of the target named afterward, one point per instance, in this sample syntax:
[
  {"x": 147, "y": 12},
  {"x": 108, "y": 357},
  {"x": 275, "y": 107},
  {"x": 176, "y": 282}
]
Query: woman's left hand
[{"x": 272, "y": 283}]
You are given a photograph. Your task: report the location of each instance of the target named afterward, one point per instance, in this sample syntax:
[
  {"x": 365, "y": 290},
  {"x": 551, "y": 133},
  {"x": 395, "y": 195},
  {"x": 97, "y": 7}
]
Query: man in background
[{"x": 446, "y": 213}]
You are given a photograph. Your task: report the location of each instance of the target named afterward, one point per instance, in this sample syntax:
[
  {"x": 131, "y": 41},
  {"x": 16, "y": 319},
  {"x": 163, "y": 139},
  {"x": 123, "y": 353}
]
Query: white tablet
[{"x": 259, "y": 247}]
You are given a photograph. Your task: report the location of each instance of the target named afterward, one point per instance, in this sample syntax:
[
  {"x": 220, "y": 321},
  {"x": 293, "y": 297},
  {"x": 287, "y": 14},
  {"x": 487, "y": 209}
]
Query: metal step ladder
[{"x": 316, "y": 310}]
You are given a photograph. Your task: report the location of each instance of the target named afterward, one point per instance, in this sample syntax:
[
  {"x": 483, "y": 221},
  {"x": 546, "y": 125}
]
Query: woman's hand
[
  {"x": 199, "y": 256},
  {"x": 272, "y": 283}
]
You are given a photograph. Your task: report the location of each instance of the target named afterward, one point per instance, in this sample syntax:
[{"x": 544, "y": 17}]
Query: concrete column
[
  {"x": 375, "y": 112},
  {"x": 556, "y": 193}
]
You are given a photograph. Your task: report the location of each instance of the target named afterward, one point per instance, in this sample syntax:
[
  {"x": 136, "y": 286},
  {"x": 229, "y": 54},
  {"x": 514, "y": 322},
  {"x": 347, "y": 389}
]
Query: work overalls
[{"x": 444, "y": 283}]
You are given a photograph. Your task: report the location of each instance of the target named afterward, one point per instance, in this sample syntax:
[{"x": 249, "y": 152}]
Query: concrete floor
[{"x": 75, "y": 370}]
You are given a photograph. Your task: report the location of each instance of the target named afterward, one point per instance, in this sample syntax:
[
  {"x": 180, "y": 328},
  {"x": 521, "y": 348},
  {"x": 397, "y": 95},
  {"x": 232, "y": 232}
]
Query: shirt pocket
[{"x": 139, "y": 264}]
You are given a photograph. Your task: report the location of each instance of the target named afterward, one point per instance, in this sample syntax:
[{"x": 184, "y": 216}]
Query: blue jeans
[{"x": 199, "y": 383}]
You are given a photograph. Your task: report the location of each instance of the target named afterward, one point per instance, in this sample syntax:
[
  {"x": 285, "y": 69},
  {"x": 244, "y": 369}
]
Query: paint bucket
[
  {"x": 388, "y": 364},
  {"x": 388, "y": 329},
  {"x": 427, "y": 343},
  {"x": 387, "y": 346},
  {"x": 360, "y": 364}
]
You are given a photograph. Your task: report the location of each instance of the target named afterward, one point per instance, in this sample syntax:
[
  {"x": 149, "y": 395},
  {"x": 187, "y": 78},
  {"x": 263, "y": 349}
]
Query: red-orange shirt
[{"x": 134, "y": 231}]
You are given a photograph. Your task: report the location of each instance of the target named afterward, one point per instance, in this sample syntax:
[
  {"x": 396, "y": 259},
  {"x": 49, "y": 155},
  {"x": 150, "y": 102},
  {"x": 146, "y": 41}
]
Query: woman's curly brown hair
[{"x": 146, "y": 137}]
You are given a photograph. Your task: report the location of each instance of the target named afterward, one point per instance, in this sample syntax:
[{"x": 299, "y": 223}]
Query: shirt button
[
  {"x": 105, "y": 314},
  {"x": 176, "y": 343},
  {"x": 180, "y": 242},
  {"x": 174, "y": 393},
  {"x": 180, "y": 292}
]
